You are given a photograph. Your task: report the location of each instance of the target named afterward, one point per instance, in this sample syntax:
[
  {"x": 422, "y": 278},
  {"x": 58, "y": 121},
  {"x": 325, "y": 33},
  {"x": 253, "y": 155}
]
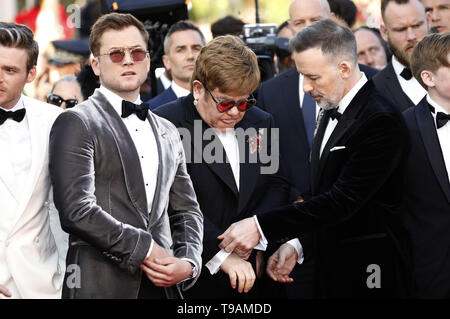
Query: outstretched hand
[{"x": 281, "y": 263}]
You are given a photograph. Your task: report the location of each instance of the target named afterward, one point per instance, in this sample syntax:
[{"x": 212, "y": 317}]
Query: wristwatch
[{"x": 194, "y": 270}]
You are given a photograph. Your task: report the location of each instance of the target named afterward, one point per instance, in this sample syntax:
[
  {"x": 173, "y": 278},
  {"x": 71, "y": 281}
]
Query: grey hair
[{"x": 333, "y": 39}]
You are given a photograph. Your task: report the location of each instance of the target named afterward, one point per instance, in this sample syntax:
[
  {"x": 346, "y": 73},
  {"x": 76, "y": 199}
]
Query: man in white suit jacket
[{"x": 29, "y": 266}]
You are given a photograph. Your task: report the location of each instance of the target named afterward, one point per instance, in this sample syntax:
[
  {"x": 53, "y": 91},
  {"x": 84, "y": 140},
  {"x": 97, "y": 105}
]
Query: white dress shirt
[
  {"x": 179, "y": 91},
  {"x": 231, "y": 147},
  {"x": 342, "y": 106},
  {"x": 443, "y": 134},
  {"x": 411, "y": 87},
  {"x": 145, "y": 142},
  {"x": 15, "y": 141}
]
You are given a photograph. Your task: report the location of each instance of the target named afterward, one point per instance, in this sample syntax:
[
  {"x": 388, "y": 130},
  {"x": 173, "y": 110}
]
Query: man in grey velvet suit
[{"x": 120, "y": 181}]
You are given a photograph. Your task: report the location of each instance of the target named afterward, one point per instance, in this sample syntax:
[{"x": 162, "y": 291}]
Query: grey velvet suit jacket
[{"x": 100, "y": 195}]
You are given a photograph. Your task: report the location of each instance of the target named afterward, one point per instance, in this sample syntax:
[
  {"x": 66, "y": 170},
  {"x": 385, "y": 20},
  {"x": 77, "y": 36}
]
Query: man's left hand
[
  {"x": 240, "y": 237},
  {"x": 168, "y": 271}
]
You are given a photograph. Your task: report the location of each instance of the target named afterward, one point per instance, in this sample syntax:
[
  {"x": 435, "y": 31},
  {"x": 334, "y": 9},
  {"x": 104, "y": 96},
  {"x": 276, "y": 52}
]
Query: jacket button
[{"x": 36, "y": 240}]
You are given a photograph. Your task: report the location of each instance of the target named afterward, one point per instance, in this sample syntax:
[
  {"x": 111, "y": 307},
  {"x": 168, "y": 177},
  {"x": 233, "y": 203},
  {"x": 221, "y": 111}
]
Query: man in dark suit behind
[
  {"x": 427, "y": 169},
  {"x": 182, "y": 44},
  {"x": 405, "y": 23},
  {"x": 355, "y": 200}
]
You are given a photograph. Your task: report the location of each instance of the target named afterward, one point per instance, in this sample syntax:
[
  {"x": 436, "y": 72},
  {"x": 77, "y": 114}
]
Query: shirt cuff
[
  {"x": 214, "y": 264},
  {"x": 298, "y": 247},
  {"x": 262, "y": 245},
  {"x": 150, "y": 249}
]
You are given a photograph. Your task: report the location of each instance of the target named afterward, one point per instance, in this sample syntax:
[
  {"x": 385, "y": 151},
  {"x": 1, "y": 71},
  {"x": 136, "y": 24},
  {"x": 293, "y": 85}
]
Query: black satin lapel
[
  {"x": 432, "y": 146},
  {"x": 128, "y": 155},
  {"x": 315, "y": 152},
  {"x": 340, "y": 129}
]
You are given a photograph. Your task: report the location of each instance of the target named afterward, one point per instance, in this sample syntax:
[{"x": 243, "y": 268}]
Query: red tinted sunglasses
[
  {"x": 225, "y": 105},
  {"x": 117, "y": 55}
]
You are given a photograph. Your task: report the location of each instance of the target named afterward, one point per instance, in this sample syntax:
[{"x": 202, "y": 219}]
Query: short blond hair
[{"x": 226, "y": 63}]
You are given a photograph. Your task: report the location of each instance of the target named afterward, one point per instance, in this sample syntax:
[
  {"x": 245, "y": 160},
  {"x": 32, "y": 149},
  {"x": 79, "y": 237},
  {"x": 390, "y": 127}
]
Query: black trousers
[{"x": 149, "y": 291}]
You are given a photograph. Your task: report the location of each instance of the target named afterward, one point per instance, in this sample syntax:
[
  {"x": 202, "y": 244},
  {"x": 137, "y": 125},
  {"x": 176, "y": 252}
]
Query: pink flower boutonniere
[{"x": 255, "y": 141}]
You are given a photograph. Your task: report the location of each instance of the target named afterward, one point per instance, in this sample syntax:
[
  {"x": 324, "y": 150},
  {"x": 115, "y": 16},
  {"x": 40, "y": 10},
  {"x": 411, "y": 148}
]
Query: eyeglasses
[
  {"x": 117, "y": 55},
  {"x": 57, "y": 100},
  {"x": 225, "y": 105}
]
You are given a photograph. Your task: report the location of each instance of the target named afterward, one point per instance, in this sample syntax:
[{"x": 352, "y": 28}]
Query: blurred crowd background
[{"x": 62, "y": 28}]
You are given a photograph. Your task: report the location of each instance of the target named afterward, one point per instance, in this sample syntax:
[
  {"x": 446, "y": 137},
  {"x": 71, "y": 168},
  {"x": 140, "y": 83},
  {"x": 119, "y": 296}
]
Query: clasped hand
[{"x": 164, "y": 270}]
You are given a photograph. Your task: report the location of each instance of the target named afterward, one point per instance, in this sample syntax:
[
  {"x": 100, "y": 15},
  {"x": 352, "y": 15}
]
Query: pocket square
[{"x": 336, "y": 148}]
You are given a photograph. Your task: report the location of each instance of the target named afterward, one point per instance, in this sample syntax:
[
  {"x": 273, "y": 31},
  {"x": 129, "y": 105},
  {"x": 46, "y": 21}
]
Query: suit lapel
[
  {"x": 7, "y": 175},
  {"x": 196, "y": 126},
  {"x": 39, "y": 137},
  {"x": 345, "y": 122},
  {"x": 430, "y": 140},
  {"x": 249, "y": 171},
  {"x": 393, "y": 87},
  {"x": 128, "y": 155},
  {"x": 315, "y": 151},
  {"x": 160, "y": 137}
]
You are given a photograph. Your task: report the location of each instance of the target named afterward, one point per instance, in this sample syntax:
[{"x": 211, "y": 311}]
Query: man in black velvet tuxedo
[
  {"x": 427, "y": 169},
  {"x": 405, "y": 23},
  {"x": 355, "y": 161},
  {"x": 295, "y": 114}
]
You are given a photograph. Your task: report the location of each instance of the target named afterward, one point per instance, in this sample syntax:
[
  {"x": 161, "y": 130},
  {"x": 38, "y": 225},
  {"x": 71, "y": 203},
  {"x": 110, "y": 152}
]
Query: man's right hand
[
  {"x": 157, "y": 253},
  {"x": 4, "y": 291},
  {"x": 281, "y": 263},
  {"x": 240, "y": 272}
]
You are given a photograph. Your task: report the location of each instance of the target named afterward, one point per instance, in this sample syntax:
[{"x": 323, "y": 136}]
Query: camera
[{"x": 261, "y": 38}]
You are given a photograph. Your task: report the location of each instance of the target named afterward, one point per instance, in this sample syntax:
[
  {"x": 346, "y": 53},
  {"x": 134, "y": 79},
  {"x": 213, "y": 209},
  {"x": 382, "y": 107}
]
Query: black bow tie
[
  {"x": 16, "y": 116},
  {"x": 334, "y": 114},
  {"x": 129, "y": 108},
  {"x": 442, "y": 119},
  {"x": 406, "y": 74}
]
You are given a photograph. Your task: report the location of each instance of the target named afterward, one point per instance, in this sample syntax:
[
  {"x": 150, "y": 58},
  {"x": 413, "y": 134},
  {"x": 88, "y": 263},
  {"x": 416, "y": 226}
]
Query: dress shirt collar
[
  {"x": 19, "y": 105},
  {"x": 179, "y": 91},
  {"x": 344, "y": 103},
  {"x": 115, "y": 100},
  {"x": 398, "y": 67},
  {"x": 437, "y": 107}
]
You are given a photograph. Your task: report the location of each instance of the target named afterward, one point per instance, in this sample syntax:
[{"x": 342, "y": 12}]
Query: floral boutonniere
[{"x": 255, "y": 141}]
